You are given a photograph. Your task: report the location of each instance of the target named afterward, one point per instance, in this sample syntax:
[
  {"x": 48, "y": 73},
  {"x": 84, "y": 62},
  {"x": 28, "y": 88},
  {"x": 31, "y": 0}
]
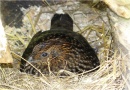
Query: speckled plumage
[{"x": 59, "y": 48}]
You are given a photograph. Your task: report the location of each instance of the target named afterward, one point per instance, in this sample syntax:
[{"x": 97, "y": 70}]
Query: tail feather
[{"x": 62, "y": 21}]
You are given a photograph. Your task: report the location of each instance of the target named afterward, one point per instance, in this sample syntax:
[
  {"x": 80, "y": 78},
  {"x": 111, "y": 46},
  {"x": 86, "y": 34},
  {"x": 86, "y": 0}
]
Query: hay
[
  {"x": 108, "y": 77},
  {"x": 89, "y": 23}
]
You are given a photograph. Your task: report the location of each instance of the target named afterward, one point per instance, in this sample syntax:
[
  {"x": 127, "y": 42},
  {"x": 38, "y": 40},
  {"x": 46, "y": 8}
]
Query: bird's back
[{"x": 59, "y": 48}]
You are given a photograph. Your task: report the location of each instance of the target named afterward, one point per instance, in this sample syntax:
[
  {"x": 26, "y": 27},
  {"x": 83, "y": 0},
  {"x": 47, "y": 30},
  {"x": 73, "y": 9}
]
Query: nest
[{"x": 93, "y": 24}]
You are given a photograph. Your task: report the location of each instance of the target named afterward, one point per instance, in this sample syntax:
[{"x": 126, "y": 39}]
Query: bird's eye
[{"x": 44, "y": 54}]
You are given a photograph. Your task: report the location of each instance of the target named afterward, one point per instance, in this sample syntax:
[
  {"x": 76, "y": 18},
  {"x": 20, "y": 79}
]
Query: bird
[{"x": 59, "y": 48}]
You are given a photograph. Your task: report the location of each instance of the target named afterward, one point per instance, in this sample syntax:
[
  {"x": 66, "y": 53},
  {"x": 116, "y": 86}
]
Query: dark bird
[{"x": 59, "y": 48}]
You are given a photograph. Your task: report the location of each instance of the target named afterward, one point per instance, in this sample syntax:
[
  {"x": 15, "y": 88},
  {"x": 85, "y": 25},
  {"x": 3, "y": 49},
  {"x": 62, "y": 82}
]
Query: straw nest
[{"x": 93, "y": 24}]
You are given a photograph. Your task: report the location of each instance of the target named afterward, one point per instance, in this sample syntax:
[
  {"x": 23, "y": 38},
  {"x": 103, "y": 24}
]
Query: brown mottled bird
[{"x": 59, "y": 48}]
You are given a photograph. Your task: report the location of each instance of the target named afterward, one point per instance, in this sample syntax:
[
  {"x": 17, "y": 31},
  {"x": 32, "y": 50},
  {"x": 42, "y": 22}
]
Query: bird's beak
[{"x": 30, "y": 59}]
